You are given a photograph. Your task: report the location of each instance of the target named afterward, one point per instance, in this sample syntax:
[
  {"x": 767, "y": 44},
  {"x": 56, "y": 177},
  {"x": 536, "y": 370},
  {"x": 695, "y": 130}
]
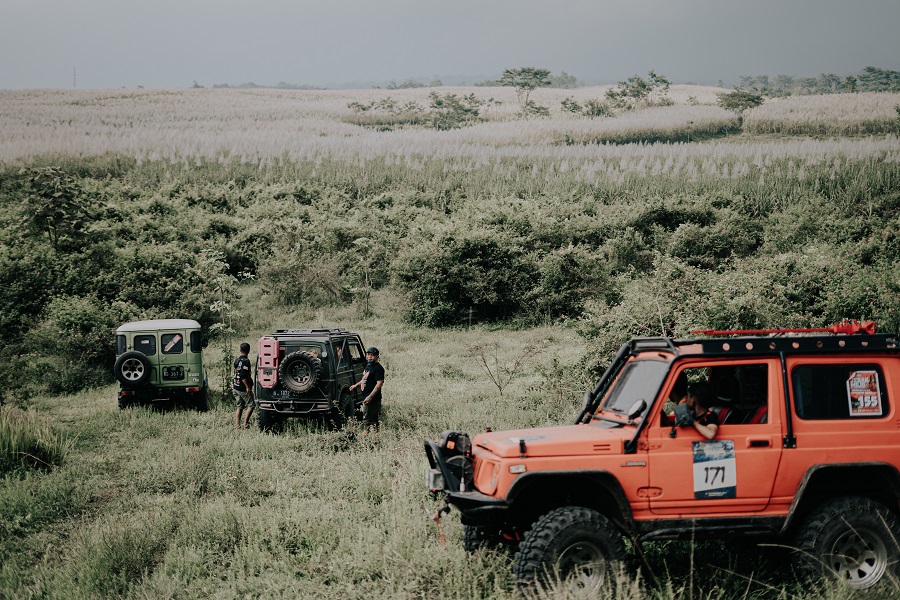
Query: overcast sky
[{"x": 172, "y": 43}]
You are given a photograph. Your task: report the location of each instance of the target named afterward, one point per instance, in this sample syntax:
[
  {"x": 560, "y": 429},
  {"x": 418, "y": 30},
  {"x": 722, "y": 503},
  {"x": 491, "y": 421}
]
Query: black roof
[{"x": 310, "y": 332}]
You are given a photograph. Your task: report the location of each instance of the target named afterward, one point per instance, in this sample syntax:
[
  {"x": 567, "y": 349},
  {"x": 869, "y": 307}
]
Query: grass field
[
  {"x": 178, "y": 504},
  {"x": 790, "y": 220}
]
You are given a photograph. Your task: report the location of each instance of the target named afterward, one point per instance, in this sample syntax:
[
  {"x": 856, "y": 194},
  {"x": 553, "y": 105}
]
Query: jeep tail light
[{"x": 192, "y": 389}]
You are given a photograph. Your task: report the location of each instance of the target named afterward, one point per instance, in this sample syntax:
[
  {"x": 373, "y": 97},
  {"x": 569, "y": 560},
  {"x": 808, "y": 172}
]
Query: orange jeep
[{"x": 807, "y": 451}]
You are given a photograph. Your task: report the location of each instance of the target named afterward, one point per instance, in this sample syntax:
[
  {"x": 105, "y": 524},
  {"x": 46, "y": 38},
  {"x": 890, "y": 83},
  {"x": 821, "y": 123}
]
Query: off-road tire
[
  {"x": 268, "y": 420},
  {"x": 299, "y": 371},
  {"x": 343, "y": 411},
  {"x": 571, "y": 542},
  {"x": 132, "y": 369},
  {"x": 475, "y": 537},
  {"x": 853, "y": 539}
]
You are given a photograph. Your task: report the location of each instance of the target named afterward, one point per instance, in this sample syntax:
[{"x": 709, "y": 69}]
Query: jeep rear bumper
[
  {"x": 160, "y": 394},
  {"x": 295, "y": 408}
]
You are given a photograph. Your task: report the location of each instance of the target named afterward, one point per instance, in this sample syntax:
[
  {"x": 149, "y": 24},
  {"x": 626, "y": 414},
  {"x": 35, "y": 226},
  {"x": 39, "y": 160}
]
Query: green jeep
[
  {"x": 161, "y": 360},
  {"x": 308, "y": 372}
]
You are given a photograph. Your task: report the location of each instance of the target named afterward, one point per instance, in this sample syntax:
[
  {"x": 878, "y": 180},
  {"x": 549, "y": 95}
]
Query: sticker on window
[
  {"x": 172, "y": 343},
  {"x": 715, "y": 472},
  {"x": 864, "y": 394}
]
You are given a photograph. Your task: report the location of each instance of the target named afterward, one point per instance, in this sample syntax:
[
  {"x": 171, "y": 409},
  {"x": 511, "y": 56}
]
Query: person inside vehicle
[
  {"x": 700, "y": 399},
  {"x": 677, "y": 396}
]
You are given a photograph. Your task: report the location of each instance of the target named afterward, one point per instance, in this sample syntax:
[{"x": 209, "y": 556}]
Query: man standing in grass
[
  {"x": 371, "y": 382},
  {"x": 242, "y": 387}
]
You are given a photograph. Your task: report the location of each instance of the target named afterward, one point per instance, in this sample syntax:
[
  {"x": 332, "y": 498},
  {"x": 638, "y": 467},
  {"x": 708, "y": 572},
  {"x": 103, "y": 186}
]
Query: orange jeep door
[{"x": 735, "y": 471}]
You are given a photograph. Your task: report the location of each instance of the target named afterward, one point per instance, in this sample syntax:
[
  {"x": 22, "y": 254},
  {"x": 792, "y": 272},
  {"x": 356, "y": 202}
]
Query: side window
[
  {"x": 341, "y": 353},
  {"x": 121, "y": 344},
  {"x": 739, "y": 392},
  {"x": 145, "y": 344},
  {"x": 356, "y": 353},
  {"x": 196, "y": 342},
  {"x": 827, "y": 392},
  {"x": 172, "y": 343}
]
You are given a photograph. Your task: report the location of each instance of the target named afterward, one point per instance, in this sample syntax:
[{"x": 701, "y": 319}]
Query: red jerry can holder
[{"x": 267, "y": 362}]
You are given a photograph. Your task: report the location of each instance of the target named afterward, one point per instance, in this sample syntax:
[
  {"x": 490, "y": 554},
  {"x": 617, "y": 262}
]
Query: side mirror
[{"x": 636, "y": 409}]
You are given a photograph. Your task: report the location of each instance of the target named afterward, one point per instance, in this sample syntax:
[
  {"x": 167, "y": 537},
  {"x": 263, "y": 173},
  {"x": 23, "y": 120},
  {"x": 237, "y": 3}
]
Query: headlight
[{"x": 434, "y": 479}]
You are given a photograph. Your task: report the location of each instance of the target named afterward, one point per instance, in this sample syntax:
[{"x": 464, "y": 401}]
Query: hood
[{"x": 569, "y": 440}]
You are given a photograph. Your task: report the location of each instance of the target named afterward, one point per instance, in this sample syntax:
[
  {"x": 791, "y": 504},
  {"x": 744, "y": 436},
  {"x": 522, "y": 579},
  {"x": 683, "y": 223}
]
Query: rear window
[
  {"x": 145, "y": 344},
  {"x": 172, "y": 343},
  {"x": 828, "y": 392}
]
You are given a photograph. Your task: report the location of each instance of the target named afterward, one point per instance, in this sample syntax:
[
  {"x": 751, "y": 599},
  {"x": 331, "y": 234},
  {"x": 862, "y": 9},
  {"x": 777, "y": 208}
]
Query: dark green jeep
[{"x": 308, "y": 372}]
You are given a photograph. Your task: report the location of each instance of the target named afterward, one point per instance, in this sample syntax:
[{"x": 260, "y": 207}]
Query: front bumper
[{"x": 476, "y": 508}]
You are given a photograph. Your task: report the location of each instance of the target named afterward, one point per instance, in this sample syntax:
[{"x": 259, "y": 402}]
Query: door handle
[{"x": 758, "y": 443}]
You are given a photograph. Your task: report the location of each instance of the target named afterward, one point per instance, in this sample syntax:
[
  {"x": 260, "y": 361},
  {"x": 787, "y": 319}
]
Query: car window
[
  {"x": 145, "y": 344},
  {"x": 639, "y": 380},
  {"x": 341, "y": 352},
  {"x": 121, "y": 344},
  {"x": 196, "y": 342},
  {"x": 356, "y": 353},
  {"x": 172, "y": 343},
  {"x": 847, "y": 391}
]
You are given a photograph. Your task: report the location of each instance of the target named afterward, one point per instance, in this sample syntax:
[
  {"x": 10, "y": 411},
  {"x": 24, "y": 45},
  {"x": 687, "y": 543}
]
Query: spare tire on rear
[
  {"x": 299, "y": 371},
  {"x": 132, "y": 369}
]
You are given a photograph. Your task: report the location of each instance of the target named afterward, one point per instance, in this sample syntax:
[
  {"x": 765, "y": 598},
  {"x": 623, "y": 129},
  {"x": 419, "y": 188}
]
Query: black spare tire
[
  {"x": 132, "y": 369},
  {"x": 299, "y": 371}
]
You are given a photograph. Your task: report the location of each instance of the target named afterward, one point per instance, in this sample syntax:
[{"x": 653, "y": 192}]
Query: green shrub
[
  {"x": 567, "y": 278},
  {"x": 460, "y": 273}
]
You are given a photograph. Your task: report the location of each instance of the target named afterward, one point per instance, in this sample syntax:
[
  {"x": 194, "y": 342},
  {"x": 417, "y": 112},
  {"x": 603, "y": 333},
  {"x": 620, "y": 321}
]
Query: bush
[
  {"x": 567, "y": 278},
  {"x": 465, "y": 272}
]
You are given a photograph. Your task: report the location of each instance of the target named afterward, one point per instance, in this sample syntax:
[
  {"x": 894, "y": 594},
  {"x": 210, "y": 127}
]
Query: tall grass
[
  {"x": 183, "y": 506},
  {"x": 28, "y": 441}
]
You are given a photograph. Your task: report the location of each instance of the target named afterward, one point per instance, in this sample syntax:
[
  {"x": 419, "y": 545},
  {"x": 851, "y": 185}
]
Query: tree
[
  {"x": 525, "y": 80},
  {"x": 55, "y": 205},
  {"x": 637, "y": 89},
  {"x": 563, "y": 80},
  {"x": 739, "y": 100},
  {"x": 449, "y": 111}
]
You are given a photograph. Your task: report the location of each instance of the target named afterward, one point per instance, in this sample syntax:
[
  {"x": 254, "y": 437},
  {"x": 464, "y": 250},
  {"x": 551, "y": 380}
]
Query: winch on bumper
[{"x": 451, "y": 473}]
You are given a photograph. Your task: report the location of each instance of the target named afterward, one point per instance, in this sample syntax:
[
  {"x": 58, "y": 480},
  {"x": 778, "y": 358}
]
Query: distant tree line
[{"x": 870, "y": 79}]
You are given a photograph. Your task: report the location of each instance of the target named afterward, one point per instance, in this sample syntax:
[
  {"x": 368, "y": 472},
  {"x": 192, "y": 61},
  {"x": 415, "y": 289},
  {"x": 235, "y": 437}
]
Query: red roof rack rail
[{"x": 848, "y": 327}]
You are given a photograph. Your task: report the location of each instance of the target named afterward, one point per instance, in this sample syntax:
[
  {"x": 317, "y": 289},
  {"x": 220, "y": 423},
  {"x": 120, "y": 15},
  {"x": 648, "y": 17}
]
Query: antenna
[{"x": 73, "y": 78}]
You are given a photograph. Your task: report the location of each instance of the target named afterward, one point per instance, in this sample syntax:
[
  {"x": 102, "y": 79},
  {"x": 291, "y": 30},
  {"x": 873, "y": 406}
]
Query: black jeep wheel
[
  {"x": 268, "y": 420},
  {"x": 299, "y": 371},
  {"x": 853, "y": 539},
  {"x": 123, "y": 403},
  {"x": 476, "y": 536},
  {"x": 132, "y": 369},
  {"x": 343, "y": 411},
  {"x": 571, "y": 543}
]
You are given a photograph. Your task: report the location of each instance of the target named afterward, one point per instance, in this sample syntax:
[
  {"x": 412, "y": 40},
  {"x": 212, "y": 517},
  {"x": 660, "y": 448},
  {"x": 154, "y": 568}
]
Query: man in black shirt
[
  {"x": 242, "y": 387},
  {"x": 371, "y": 382}
]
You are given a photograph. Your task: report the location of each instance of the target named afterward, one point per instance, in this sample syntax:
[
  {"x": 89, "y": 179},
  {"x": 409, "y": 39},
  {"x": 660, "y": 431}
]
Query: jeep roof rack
[
  {"x": 841, "y": 337},
  {"x": 334, "y": 331},
  {"x": 846, "y": 327}
]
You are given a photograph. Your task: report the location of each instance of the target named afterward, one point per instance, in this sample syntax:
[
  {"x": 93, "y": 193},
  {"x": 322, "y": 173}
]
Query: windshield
[{"x": 639, "y": 380}]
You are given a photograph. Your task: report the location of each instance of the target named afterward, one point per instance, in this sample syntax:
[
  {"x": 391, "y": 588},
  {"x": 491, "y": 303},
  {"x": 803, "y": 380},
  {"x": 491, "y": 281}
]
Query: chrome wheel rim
[
  {"x": 858, "y": 557},
  {"x": 584, "y": 564},
  {"x": 132, "y": 369}
]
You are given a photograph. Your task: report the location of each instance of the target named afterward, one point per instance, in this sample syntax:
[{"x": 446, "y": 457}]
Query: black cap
[{"x": 372, "y": 350}]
